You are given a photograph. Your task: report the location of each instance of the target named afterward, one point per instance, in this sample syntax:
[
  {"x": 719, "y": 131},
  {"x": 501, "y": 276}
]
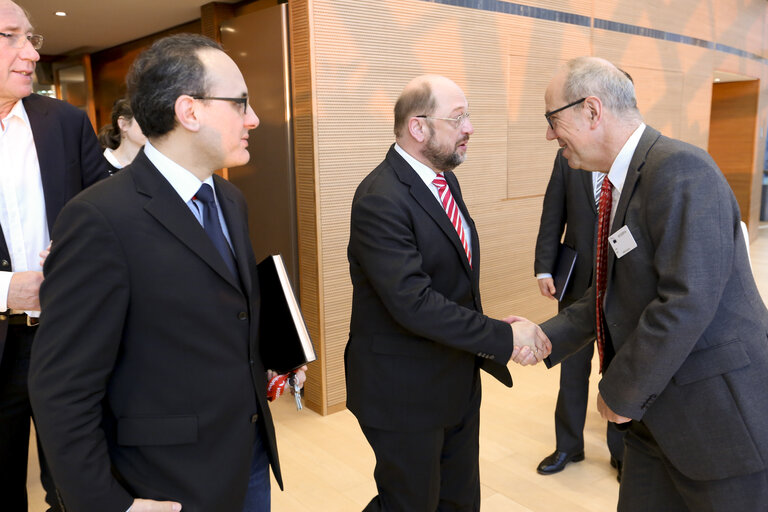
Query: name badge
[{"x": 622, "y": 242}]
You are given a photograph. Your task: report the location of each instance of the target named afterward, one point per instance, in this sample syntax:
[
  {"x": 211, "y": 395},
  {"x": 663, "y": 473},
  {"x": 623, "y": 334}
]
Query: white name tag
[{"x": 622, "y": 242}]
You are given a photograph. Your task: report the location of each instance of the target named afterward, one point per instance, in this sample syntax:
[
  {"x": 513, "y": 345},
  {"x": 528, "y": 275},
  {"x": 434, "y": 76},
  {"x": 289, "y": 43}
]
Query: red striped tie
[
  {"x": 450, "y": 207},
  {"x": 603, "y": 225}
]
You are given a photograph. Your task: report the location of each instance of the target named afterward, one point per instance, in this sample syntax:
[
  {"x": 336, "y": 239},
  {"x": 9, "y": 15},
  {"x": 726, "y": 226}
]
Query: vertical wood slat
[{"x": 356, "y": 55}]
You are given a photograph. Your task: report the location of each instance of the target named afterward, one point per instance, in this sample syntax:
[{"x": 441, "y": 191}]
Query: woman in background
[{"x": 123, "y": 139}]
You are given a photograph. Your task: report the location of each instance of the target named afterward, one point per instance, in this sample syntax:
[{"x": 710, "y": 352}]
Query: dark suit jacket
[
  {"x": 145, "y": 374},
  {"x": 568, "y": 205},
  {"x": 688, "y": 325},
  {"x": 70, "y": 160},
  {"x": 417, "y": 332}
]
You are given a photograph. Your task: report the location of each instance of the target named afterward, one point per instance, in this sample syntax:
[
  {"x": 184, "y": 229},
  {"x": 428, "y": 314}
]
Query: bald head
[{"x": 420, "y": 98}]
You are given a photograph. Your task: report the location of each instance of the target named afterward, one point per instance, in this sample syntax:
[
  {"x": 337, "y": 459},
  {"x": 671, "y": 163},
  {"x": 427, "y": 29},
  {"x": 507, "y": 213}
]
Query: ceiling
[{"x": 94, "y": 25}]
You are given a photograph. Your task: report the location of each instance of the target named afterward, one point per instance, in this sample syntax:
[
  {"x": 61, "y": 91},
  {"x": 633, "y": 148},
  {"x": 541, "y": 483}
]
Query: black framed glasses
[
  {"x": 18, "y": 40},
  {"x": 243, "y": 100},
  {"x": 549, "y": 114},
  {"x": 457, "y": 121}
]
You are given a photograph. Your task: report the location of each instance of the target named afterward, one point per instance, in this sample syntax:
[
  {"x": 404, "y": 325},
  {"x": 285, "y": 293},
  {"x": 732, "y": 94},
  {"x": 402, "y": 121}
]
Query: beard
[{"x": 441, "y": 158}]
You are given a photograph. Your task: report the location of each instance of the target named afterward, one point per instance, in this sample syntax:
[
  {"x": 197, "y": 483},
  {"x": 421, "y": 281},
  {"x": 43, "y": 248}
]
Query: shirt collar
[
  {"x": 19, "y": 111},
  {"x": 618, "y": 172},
  {"x": 426, "y": 174},
  {"x": 184, "y": 182}
]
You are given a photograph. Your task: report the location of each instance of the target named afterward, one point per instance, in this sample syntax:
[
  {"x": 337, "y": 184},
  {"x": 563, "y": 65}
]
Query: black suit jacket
[
  {"x": 70, "y": 160},
  {"x": 568, "y": 204},
  {"x": 145, "y": 376},
  {"x": 687, "y": 322},
  {"x": 417, "y": 332}
]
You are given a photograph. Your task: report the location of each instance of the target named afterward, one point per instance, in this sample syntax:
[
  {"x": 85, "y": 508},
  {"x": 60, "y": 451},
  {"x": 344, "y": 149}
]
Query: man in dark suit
[
  {"x": 48, "y": 153},
  {"x": 684, "y": 352},
  {"x": 417, "y": 334},
  {"x": 570, "y": 205},
  {"x": 146, "y": 379}
]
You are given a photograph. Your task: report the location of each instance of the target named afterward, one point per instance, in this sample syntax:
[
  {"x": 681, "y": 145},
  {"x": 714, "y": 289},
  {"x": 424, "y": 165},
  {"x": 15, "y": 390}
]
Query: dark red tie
[
  {"x": 452, "y": 209},
  {"x": 603, "y": 226}
]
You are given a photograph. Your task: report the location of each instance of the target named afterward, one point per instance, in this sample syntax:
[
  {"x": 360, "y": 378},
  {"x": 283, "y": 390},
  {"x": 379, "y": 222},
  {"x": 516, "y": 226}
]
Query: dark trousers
[
  {"x": 15, "y": 414},
  {"x": 258, "y": 497},
  {"x": 430, "y": 470},
  {"x": 650, "y": 482},
  {"x": 571, "y": 408}
]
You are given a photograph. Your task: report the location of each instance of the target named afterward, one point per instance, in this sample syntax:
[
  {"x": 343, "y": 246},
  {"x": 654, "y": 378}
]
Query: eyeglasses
[
  {"x": 18, "y": 40},
  {"x": 242, "y": 100},
  {"x": 457, "y": 121},
  {"x": 548, "y": 115}
]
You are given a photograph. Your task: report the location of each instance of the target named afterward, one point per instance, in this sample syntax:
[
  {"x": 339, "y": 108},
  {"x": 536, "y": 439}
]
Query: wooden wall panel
[
  {"x": 740, "y": 24},
  {"x": 692, "y": 18},
  {"x": 362, "y": 52},
  {"x": 732, "y": 138},
  {"x": 305, "y": 162}
]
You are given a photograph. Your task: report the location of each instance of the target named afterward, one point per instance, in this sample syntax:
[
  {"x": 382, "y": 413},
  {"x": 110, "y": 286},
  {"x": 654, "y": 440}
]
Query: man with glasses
[
  {"x": 48, "y": 153},
  {"x": 682, "y": 332},
  {"x": 146, "y": 378},
  {"x": 418, "y": 337}
]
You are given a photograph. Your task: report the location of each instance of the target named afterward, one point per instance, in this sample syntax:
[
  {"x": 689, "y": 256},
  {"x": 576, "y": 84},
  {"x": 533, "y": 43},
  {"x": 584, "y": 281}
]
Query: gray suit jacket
[
  {"x": 568, "y": 204},
  {"x": 688, "y": 325}
]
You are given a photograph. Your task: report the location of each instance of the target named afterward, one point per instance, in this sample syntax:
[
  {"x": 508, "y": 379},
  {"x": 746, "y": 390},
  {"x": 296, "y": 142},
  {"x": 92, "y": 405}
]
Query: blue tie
[{"x": 212, "y": 226}]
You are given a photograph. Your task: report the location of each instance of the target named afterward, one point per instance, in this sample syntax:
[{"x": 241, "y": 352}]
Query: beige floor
[{"x": 328, "y": 466}]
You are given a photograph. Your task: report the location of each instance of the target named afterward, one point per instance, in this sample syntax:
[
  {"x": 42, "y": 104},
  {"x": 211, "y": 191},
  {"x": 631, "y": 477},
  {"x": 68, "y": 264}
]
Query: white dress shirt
[
  {"x": 112, "y": 159},
  {"x": 427, "y": 175},
  {"x": 22, "y": 203},
  {"x": 185, "y": 184}
]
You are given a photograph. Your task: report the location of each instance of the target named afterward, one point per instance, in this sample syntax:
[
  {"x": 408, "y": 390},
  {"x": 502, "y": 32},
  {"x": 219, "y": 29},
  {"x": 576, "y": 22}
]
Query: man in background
[
  {"x": 48, "y": 153},
  {"x": 681, "y": 329},
  {"x": 570, "y": 205},
  {"x": 418, "y": 337},
  {"x": 146, "y": 378}
]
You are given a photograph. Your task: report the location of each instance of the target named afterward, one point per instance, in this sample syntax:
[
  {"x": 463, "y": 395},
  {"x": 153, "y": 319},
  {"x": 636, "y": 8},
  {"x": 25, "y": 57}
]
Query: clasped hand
[{"x": 531, "y": 344}]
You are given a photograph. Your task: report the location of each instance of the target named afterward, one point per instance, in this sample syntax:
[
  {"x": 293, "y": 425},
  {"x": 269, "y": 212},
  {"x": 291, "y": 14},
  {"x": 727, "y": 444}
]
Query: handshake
[{"x": 531, "y": 344}]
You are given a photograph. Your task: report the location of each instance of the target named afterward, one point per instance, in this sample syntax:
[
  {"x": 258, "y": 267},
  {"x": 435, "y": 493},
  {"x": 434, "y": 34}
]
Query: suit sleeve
[
  {"x": 553, "y": 220},
  {"x": 85, "y": 299},
  {"x": 688, "y": 210},
  {"x": 383, "y": 242}
]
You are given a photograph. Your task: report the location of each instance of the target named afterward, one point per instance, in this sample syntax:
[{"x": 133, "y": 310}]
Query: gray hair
[{"x": 589, "y": 76}]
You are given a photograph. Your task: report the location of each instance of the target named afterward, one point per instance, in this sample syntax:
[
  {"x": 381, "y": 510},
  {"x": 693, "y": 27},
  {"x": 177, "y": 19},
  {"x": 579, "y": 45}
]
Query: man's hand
[
  {"x": 154, "y": 506},
  {"x": 547, "y": 287},
  {"x": 301, "y": 377},
  {"x": 44, "y": 254},
  {"x": 24, "y": 291},
  {"x": 607, "y": 413},
  {"x": 531, "y": 344}
]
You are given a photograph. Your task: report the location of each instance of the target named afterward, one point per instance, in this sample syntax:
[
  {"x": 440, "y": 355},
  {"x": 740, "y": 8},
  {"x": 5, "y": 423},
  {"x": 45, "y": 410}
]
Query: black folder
[
  {"x": 284, "y": 339},
  {"x": 566, "y": 261}
]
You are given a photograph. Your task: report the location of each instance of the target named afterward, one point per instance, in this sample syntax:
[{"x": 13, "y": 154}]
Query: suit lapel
[
  {"x": 647, "y": 140},
  {"x": 427, "y": 201},
  {"x": 589, "y": 188},
  {"x": 453, "y": 184},
  {"x": 51, "y": 156},
  {"x": 165, "y": 205}
]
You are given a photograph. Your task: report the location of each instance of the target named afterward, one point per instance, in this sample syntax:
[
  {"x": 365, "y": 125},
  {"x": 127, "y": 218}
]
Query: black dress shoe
[
  {"x": 615, "y": 463},
  {"x": 557, "y": 461}
]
